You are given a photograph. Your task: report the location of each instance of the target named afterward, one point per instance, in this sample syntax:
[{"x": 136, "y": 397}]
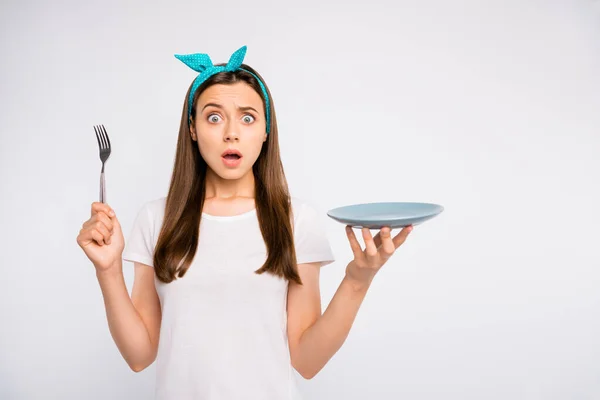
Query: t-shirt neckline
[{"x": 246, "y": 214}]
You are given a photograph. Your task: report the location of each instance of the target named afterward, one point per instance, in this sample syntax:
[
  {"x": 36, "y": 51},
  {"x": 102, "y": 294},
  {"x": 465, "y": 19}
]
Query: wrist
[
  {"x": 114, "y": 270},
  {"x": 358, "y": 284}
]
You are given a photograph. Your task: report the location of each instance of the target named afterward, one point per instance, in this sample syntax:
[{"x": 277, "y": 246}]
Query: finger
[
  {"x": 98, "y": 207},
  {"x": 97, "y": 236},
  {"x": 370, "y": 247},
  {"x": 401, "y": 237},
  {"x": 387, "y": 244},
  {"x": 101, "y": 216},
  {"x": 105, "y": 219},
  {"x": 103, "y": 230},
  {"x": 377, "y": 239},
  {"x": 354, "y": 245}
]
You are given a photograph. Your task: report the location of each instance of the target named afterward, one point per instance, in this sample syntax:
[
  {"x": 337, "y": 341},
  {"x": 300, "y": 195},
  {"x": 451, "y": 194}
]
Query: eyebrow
[{"x": 221, "y": 107}]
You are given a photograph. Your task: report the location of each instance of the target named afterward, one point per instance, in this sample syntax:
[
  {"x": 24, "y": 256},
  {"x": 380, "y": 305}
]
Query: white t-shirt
[{"x": 224, "y": 328}]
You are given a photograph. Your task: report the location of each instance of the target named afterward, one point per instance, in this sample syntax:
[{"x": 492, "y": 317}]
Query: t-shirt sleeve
[
  {"x": 139, "y": 246},
  {"x": 310, "y": 237}
]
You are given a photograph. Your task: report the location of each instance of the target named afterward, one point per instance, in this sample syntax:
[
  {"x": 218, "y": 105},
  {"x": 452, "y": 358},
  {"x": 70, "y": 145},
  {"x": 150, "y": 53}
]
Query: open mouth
[{"x": 231, "y": 155}]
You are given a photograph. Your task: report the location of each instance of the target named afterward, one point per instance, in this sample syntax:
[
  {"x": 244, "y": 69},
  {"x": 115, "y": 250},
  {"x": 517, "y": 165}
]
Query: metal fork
[{"x": 104, "y": 145}]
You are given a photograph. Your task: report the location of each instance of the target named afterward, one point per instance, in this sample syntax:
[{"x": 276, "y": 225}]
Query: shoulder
[
  {"x": 152, "y": 211},
  {"x": 156, "y": 206},
  {"x": 302, "y": 207},
  {"x": 306, "y": 212},
  {"x": 310, "y": 233}
]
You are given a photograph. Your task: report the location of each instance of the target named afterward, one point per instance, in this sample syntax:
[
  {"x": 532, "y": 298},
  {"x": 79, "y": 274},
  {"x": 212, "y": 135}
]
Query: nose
[{"x": 231, "y": 132}]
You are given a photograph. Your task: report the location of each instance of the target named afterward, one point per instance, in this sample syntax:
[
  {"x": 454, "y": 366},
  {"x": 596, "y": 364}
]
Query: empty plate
[{"x": 378, "y": 215}]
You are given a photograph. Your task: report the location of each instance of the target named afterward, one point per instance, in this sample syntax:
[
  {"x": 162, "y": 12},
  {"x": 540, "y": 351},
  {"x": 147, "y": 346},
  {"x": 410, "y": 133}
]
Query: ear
[
  {"x": 265, "y": 139},
  {"x": 193, "y": 130}
]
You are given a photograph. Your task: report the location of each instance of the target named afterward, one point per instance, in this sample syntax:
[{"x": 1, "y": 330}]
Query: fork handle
[{"x": 102, "y": 188}]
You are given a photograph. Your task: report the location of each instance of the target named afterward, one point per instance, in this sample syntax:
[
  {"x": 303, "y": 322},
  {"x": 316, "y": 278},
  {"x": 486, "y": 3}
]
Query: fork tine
[
  {"x": 98, "y": 137},
  {"x": 103, "y": 137},
  {"x": 106, "y": 136}
]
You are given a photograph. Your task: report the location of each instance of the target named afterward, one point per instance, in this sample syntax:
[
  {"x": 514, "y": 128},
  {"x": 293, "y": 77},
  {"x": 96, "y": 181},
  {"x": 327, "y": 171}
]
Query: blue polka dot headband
[{"x": 201, "y": 62}]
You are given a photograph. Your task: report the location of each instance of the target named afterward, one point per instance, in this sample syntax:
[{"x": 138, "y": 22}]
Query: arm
[
  {"x": 134, "y": 323},
  {"x": 315, "y": 338}
]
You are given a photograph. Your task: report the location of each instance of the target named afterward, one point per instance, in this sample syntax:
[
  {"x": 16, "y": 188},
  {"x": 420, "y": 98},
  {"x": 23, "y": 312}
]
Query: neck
[{"x": 218, "y": 188}]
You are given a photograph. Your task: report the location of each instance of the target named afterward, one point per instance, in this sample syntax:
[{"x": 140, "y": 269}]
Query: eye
[
  {"x": 214, "y": 118},
  {"x": 248, "y": 118}
]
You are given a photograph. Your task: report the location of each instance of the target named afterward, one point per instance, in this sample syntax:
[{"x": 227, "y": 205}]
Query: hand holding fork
[{"x": 101, "y": 237}]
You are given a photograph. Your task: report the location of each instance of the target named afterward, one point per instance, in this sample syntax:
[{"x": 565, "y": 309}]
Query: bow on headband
[{"x": 202, "y": 63}]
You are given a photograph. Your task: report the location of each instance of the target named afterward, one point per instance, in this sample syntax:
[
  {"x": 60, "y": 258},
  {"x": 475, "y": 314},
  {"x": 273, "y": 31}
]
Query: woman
[{"x": 226, "y": 291}]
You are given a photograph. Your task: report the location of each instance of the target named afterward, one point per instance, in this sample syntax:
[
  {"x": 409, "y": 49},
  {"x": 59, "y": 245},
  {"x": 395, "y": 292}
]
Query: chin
[{"x": 232, "y": 175}]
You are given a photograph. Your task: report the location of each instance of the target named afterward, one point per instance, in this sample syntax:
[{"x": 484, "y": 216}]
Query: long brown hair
[{"x": 178, "y": 238}]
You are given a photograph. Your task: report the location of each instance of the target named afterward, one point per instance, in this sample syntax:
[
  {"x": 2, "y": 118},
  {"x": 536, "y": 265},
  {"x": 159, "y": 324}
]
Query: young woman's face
[{"x": 229, "y": 117}]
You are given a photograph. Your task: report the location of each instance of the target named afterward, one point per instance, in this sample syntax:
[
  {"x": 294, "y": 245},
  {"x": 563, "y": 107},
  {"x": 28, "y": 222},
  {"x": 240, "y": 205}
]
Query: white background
[{"x": 489, "y": 108}]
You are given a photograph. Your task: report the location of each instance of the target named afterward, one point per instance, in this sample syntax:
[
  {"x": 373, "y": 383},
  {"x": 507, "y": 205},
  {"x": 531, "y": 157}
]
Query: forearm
[
  {"x": 325, "y": 337},
  {"x": 125, "y": 324}
]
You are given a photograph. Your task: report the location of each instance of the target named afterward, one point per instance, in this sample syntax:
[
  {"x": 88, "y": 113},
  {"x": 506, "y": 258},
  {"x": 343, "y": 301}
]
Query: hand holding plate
[{"x": 377, "y": 251}]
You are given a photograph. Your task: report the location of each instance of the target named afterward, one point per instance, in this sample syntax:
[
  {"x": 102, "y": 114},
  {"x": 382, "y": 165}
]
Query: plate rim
[{"x": 439, "y": 210}]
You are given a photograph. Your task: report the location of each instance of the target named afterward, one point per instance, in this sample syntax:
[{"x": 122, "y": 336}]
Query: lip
[
  {"x": 231, "y": 151},
  {"x": 231, "y": 163}
]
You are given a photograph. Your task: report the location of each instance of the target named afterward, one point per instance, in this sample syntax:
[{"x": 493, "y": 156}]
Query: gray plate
[{"x": 378, "y": 215}]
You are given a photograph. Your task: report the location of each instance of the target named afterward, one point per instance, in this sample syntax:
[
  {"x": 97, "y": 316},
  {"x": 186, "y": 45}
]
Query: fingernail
[{"x": 112, "y": 213}]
